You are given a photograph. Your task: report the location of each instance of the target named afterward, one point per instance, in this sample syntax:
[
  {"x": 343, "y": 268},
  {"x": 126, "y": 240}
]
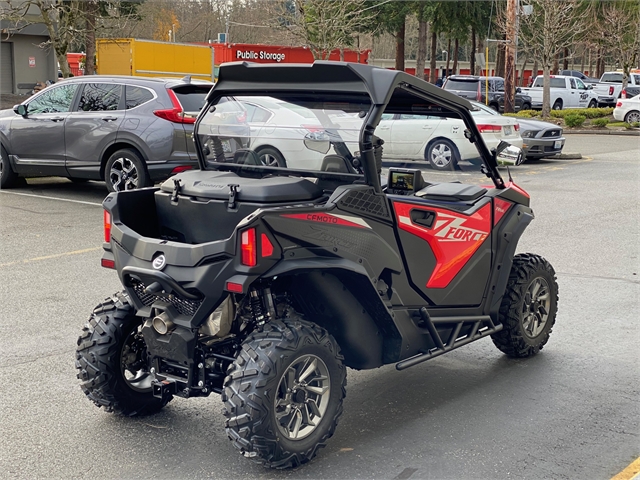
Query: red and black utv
[{"x": 283, "y": 259}]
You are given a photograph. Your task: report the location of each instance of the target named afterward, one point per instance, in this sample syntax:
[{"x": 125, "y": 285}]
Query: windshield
[{"x": 298, "y": 134}]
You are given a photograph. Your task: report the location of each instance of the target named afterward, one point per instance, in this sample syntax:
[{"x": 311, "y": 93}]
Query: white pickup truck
[
  {"x": 609, "y": 89},
  {"x": 566, "y": 92}
]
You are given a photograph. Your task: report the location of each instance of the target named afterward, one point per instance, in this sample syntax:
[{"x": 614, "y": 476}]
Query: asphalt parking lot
[{"x": 573, "y": 411}]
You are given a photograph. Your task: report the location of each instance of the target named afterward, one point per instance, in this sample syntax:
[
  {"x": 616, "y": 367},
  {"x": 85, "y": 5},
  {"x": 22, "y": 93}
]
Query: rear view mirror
[
  {"x": 317, "y": 142},
  {"x": 507, "y": 154},
  {"x": 20, "y": 110}
]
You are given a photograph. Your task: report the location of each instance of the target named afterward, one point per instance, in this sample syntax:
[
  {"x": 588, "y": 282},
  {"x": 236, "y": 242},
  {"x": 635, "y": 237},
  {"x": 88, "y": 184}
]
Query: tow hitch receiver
[{"x": 164, "y": 389}]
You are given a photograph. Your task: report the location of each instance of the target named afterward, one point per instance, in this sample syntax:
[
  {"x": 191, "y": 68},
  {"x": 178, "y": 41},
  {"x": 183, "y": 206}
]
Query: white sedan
[
  {"x": 627, "y": 110},
  {"x": 441, "y": 141}
]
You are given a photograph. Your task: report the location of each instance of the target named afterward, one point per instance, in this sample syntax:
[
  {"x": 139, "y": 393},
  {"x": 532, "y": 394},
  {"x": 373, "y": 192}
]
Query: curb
[
  {"x": 565, "y": 156},
  {"x": 633, "y": 133}
]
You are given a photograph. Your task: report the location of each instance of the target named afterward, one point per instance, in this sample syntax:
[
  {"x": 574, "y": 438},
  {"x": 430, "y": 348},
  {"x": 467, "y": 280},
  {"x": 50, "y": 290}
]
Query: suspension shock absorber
[
  {"x": 218, "y": 150},
  {"x": 257, "y": 309}
]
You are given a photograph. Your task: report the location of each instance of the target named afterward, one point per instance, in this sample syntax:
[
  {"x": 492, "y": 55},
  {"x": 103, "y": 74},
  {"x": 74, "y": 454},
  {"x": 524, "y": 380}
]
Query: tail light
[
  {"x": 619, "y": 104},
  {"x": 107, "y": 226},
  {"x": 490, "y": 128},
  {"x": 249, "y": 247},
  {"x": 623, "y": 94},
  {"x": 175, "y": 114},
  {"x": 241, "y": 117},
  {"x": 479, "y": 93},
  {"x": 313, "y": 128},
  {"x": 611, "y": 89},
  {"x": 516, "y": 127},
  {"x": 181, "y": 168}
]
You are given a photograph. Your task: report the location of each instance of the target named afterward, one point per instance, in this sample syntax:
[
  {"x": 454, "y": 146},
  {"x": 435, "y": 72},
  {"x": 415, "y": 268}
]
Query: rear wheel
[
  {"x": 111, "y": 359},
  {"x": 632, "y": 117},
  {"x": 529, "y": 305},
  {"x": 557, "y": 105},
  {"x": 125, "y": 170},
  {"x": 8, "y": 178},
  {"x": 494, "y": 107},
  {"x": 271, "y": 157},
  {"x": 442, "y": 154},
  {"x": 593, "y": 104},
  {"x": 283, "y": 394},
  {"x": 526, "y": 106}
]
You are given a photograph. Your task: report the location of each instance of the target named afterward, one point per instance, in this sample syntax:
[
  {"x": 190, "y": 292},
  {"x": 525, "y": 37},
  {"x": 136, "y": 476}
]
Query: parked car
[
  {"x": 540, "y": 139},
  {"x": 580, "y": 75},
  {"x": 473, "y": 87},
  {"x": 611, "y": 86},
  {"x": 566, "y": 92},
  {"x": 627, "y": 110},
  {"x": 441, "y": 141},
  {"x": 128, "y": 131}
]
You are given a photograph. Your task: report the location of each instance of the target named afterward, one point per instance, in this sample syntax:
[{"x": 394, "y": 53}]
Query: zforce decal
[
  {"x": 329, "y": 218},
  {"x": 454, "y": 237}
]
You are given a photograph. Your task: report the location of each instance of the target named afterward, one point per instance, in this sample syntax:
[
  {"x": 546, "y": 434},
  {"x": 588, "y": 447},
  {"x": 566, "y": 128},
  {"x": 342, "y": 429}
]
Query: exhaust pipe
[{"x": 162, "y": 323}]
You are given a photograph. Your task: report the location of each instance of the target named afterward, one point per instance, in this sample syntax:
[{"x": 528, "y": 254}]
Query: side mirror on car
[
  {"x": 20, "y": 110},
  {"x": 518, "y": 90},
  {"x": 317, "y": 142},
  {"x": 507, "y": 154},
  {"x": 589, "y": 87}
]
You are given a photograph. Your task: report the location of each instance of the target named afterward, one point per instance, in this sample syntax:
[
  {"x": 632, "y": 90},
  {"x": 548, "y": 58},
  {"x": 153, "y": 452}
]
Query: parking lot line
[
  {"x": 49, "y": 257},
  {"x": 632, "y": 472},
  {"x": 52, "y": 198}
]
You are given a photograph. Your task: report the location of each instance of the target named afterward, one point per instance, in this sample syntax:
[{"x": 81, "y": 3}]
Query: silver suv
[{"x": 128, "y": 131}]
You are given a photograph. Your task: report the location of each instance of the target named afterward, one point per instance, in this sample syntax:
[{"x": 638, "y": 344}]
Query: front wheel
[
  {"x": 529, "y": 306},
  {"x": 283, "y": 394},
  {"x": 125, "y": 170},
  {"x": 442, "y": 154},
  {"x": 111, "y": 359},
  {"x": 557, "y": 105},
  {"x": 526, "y": 106},
  {"x": 632, "y": 117}
]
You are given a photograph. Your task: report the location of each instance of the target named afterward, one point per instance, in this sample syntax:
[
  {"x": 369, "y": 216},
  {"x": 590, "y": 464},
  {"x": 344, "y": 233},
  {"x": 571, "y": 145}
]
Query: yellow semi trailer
[{"x": 148, "y": 58}]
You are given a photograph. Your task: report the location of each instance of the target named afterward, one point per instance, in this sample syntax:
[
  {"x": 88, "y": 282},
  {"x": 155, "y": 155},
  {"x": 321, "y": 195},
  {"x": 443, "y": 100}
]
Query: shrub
[
  {"x": 574, "y": 120},
  {"x": 635, "y": 124},
  {"x": 600, "y": 122},
  {"x": 585, "y": 112}
]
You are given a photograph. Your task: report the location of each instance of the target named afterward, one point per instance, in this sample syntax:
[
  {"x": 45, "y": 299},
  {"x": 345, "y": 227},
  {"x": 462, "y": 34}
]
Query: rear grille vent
[
  {"x": 182, "y": 305},
  {"x": 365, "y": 202}
]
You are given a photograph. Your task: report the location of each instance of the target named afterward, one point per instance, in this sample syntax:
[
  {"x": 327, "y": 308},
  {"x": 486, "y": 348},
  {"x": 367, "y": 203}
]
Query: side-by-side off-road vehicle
[{"x": 262, "y": 283}]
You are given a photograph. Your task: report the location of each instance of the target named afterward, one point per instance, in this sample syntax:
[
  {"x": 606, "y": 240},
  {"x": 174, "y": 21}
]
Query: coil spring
[
  {"x": 218, "y": 150},
  {"x": 257, "y": 308}
]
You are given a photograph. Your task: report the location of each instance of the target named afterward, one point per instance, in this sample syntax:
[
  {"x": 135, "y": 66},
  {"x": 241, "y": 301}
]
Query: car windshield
[
  {"x": 282, "y": 132},
  {"x": 462, "y": 85}
]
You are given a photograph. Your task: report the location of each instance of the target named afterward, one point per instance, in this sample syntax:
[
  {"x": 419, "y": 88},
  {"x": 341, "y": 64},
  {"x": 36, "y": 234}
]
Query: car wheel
[
  {"x": 283, "y": 394},
  {"x": 8, "y": 178},
  {"x": 632, "y": 117},
  {"x": 494, "y": 107},
  {"x": 125, "y": 171},
  {"x": 528, "y": 309},
  {"x": 557, "y": 105},
  {"x": 442, "y": 154},
  {"x": 526, "y": 106},
  {"x": 271, "y": 157}
]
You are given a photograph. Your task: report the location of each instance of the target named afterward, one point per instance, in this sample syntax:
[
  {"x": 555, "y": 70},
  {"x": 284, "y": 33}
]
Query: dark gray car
[{"x": 128, "y": 131}]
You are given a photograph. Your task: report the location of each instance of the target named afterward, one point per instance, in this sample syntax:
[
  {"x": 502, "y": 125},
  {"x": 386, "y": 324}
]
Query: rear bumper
[
  {"x": 606, "y": 100},
  {"x": 162, "y": 170}
]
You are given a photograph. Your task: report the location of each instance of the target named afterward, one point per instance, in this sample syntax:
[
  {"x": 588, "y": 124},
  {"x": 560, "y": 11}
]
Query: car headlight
[{"x": 529, "y": 134}]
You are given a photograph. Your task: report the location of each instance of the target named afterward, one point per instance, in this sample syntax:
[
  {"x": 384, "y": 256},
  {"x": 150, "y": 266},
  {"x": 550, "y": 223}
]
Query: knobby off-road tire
[
  {"x": 268, "y": 399},
  {"x": 529, "y": 306},
  {"x": 111, "y": 360}
]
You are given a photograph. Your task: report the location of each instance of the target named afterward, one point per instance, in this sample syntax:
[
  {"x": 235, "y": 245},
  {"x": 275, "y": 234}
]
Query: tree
[
  {"x": 617, "y": 26},
  {"x": 553, "y": 25}
]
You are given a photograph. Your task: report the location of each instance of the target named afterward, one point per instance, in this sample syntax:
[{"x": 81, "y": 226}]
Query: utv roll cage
[{"x": 384, "y": 91}]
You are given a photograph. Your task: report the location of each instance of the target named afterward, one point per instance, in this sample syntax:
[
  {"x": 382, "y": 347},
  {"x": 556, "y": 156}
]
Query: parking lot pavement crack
[
  {"x": 599, "y": 277},
  {"x": 24, "y": 361}
]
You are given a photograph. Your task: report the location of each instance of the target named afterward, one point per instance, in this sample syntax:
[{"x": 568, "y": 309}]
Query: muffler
[{"x": 162, "y": 323}]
